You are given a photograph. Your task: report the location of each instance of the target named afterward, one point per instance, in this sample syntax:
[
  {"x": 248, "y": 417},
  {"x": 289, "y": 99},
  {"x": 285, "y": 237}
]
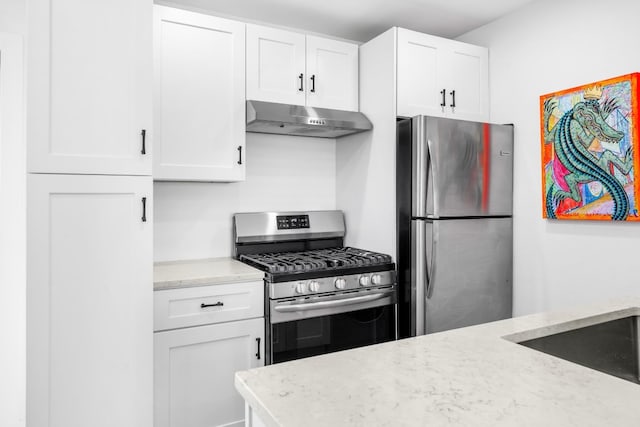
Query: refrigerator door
[
  {"x": 461, "y": 168},
  {"x": 462, "y": 272}
]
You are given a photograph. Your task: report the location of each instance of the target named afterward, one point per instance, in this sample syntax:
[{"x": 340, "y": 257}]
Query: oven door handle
[{"x": 331, "y": 304}]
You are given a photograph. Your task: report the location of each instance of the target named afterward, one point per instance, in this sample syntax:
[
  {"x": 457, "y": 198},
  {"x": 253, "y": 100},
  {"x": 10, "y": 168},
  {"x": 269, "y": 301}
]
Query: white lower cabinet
[
  {"x": 253, "y": 420},
  {"x": 89, "y": 301},
  {"x": 194, "y": 367}
]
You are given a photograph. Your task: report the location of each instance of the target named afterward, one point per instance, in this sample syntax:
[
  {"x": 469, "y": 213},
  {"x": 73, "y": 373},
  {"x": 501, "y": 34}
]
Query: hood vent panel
[{"x": 284, "y": 119}]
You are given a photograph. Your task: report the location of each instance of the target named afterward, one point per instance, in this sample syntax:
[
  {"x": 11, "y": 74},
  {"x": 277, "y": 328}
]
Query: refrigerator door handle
[
  {"x": 423, "y": 272},
  {"x": 430, "y": 261},
  {"x": 421, "y": 165},
  {"x": 419, "y": 280}
]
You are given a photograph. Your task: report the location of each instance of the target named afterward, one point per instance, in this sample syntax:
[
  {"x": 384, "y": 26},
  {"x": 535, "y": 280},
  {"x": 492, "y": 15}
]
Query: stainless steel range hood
[{"x": 284, "y": 119}]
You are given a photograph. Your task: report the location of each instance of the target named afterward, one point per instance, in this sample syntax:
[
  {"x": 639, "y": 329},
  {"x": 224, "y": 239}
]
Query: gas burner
[{"x": 315, "y": 260}]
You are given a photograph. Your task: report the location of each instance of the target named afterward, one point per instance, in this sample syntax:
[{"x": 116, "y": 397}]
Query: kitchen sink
[{"x": 611, "y": 347}]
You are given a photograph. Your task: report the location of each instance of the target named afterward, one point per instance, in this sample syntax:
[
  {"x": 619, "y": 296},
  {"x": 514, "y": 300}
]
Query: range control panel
[{"x": 287, "y": 222}]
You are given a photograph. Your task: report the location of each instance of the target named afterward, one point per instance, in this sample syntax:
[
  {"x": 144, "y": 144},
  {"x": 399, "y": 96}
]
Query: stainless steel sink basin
[{"x": 611, "y": 347}]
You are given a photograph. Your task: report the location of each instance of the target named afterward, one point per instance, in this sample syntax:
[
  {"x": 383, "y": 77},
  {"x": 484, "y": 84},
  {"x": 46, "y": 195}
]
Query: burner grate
[{"x": 315, "y": 260}]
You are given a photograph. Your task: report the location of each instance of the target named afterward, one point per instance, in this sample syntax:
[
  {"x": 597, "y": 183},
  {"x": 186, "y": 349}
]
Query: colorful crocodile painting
[{"x": 574, "y": 164}]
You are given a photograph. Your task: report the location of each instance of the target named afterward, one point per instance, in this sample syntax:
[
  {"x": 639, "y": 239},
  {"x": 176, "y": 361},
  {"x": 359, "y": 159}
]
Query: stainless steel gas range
[{"x": 320, "y": 296}]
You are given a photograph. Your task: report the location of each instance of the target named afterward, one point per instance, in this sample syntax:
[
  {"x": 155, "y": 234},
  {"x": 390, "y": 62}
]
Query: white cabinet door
[
  {"x": 420, "y": 65},
  {"x": 89, "y": 296},
  {"x": 194, "y": 373},
  {"x": 275, "y": 65},
  {"x": 468, "y": 76},
  {"x": 440, "y": 77},
  {"x": 332, "y": 74},
  {"x": 89, "y": 91},
  {"x": 291, "y": 68},
  {"x": 199, "y": 97}
]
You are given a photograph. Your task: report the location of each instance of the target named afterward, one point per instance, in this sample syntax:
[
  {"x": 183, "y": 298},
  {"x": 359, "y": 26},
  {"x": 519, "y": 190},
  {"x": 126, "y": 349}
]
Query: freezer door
[
  {"x": 461, "y": 168},
  {"x": 462, "y": 272}
]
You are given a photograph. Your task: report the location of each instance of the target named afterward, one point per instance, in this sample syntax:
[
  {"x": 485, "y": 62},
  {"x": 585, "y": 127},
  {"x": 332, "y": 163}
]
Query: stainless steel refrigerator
[{"x": 454, "y": 204}]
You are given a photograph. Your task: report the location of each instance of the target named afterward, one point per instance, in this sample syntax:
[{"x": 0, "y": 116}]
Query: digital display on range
[{"x": 287, "y": 222}]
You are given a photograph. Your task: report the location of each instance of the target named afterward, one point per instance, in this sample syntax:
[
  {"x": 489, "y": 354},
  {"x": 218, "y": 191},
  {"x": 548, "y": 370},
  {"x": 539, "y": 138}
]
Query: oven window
[{"x": 319, "y": 335}]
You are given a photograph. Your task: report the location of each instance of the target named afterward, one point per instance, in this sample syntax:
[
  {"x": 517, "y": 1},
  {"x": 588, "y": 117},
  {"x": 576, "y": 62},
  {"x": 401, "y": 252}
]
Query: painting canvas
[{"x": 590, "y": 152}]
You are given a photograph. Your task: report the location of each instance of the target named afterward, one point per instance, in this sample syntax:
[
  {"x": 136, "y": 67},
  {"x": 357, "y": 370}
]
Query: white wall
[
  {"x": 548, "y": 46},
  {"x": 12, "y": 216},
  {"x": 12, "y": 233},
  {"x": 13, "y": 16},
  {"x": 193, "y": 220}
]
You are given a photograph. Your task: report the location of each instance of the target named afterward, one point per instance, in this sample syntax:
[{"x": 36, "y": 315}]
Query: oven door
[{"x": 321, "y": 324}]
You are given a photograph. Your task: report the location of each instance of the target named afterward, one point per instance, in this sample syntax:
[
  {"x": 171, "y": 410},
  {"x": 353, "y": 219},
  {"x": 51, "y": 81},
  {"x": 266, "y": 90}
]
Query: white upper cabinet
[
  {"x": 332, "y": 72},
  {"x": 89, "y": 91},
  {"x": 292, "y": 68},
  {"x": 199, "y": 97},
  {"x": 441, "y": 77},
  {"x": 419, "y": 74},
  {"x": 275, "y": 65},
  {"x": 469, "y": 78}
]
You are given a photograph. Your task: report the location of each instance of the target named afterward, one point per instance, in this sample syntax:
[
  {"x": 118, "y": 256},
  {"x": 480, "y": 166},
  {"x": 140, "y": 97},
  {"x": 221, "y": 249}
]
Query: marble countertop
[
  {"x": 201, "y": 272},
  {"x": 476, "y": 376}
]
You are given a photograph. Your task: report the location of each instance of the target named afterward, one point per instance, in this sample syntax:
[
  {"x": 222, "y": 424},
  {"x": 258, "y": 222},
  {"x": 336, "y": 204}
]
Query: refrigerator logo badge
[{"x": 505, "y": 153}]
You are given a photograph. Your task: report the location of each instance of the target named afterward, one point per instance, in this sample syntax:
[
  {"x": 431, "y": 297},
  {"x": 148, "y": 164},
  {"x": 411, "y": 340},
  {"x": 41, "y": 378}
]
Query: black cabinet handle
[
  {"x": 453, "y": 100},
  {"x": 144, "y": 209},
  {"x": 301, "y": 77},
  {"x": 313, "y": 83},
  {"x": 144, "y": 141},
  {"x": 239, "y": 154},
  {"x": 218, "y": 304},
  {"x": 443, "y": 92},
  {"x": 258, "y": 353}
]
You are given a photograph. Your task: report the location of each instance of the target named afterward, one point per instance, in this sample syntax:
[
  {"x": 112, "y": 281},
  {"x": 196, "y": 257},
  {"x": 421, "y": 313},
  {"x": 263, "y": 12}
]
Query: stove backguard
[
  {"x": 260, "y": 232},
  {"x": 287, "y": 246}
]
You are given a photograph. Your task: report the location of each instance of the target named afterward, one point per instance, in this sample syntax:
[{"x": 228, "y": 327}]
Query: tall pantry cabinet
[{"x": 89, "y": 202}]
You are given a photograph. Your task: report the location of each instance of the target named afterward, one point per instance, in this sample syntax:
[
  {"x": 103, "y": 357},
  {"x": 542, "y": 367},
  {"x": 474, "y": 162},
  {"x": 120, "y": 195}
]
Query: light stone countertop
[
  {"x": 466, "y": 377},
  {"x": 201, "y": 272}
]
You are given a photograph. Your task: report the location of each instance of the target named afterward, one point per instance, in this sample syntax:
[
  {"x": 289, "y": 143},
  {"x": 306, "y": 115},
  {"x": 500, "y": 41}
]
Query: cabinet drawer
[{"x": 179, "y": 308}]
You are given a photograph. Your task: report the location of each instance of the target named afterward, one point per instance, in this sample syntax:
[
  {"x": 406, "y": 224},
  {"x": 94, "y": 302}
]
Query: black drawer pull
[
  {"x": 218, "y": 304},
  {"x": 258, "y": 353},
  {"x": 301, "y": 77},
  {"x": 443, "y": 92},
  {"x": 453, "y": 96},
  {"x": 239, "y": 154},
  {"x": 313, "y": 83}
]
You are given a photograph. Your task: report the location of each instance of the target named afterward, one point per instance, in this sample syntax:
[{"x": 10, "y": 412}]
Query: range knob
[
  {"x": 364, "y": 280},
  {"x": 314, "y": 286},
  {"x": 376, "y": 279},
  {"x": 340, "y": 283},
  {"x": 301, "y": 288}
]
